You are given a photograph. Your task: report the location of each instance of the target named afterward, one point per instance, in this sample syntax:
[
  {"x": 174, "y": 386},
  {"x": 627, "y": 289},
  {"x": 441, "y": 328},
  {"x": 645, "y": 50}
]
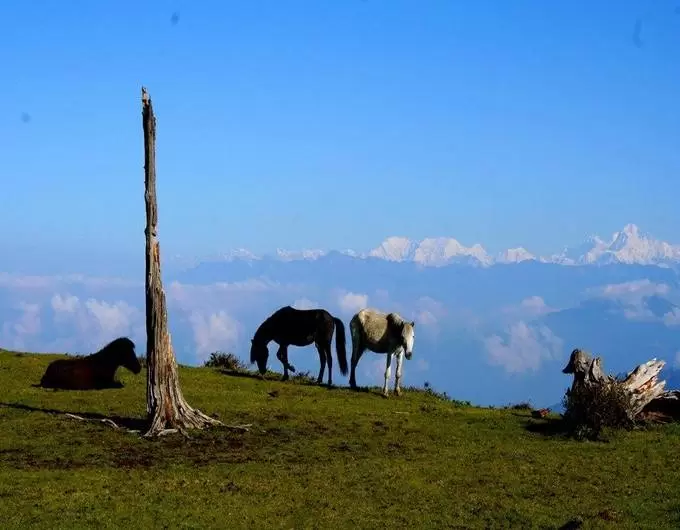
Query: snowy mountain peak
[
  {"x": 291, "y": 255},
  {"x": 631, "y": 230},
  {"x": 431, "y": 251},
  {"x": 394, "y": 249},
  {"x": 629, "y": 245},
  {"x": 515, "y": 255},
  {"x": 239, "y": 254}
]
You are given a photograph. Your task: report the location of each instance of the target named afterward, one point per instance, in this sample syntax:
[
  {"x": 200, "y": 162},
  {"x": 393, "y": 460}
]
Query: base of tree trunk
[
  {"x": 178, "y": 416},
  {"x": 646, "y": 393},
  {"x": 166, "y": 407}
]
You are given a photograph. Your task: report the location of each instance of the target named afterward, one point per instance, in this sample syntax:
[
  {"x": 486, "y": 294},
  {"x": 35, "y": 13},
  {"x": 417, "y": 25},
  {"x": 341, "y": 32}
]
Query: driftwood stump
[
  {"x": 642, "y": 385},
  {"x": 166, "y": 407}
]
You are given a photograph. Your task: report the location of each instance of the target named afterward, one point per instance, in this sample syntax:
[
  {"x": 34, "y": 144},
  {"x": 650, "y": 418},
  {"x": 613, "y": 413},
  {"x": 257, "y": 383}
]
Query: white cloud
[
  {"x": 632, "y": 296},
  {"x": 29, "y": 323},
  {"x": 677, "y": 359},
  {"x": 305, "y": 303},
  {"x": 214, "y": 332},
  {"x": 227, "y": 296},
  {"x": 35, "y": 282},
  {"x": 113, "y": 320},
  {"x": 525, "y": 348},
  {"x": 95, "y": 322},
  {"x": 351, "y": 303},
  {"x": 672, "y": 318},
  {"x": 535, "y": 304},
  {"x": 80, "y": 314},
  {"x": 631, "y": 292},
  {"x": 64, "y": 304},
  {"x": 528, "y": 309},
  {"x": 21, "y": 334},
  {"x": 638, "y": 313},
  {"x": 429, "y": 311},
  {"x": 426, "y": 318}
]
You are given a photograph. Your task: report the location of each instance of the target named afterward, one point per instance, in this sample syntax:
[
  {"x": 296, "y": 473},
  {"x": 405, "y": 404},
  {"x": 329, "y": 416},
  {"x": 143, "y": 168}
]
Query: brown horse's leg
[
  {"x": 329, "y": 360},
  {"x": 282, "y": 355},
  {"x": 357, "y": 351},
  {"x": 322, "y": 362}
]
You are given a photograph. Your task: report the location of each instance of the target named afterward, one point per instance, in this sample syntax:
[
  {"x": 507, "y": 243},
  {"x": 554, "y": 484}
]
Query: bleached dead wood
[
  {"x": 642, "y": 384},
  {"x": 166, "y": 407},
  {"x": 105, "y": 421}
]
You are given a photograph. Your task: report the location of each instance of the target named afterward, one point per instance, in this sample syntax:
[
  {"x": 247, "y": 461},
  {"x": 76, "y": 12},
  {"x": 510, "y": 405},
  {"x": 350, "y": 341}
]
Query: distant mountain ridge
[{"x": 628, "y": 246}]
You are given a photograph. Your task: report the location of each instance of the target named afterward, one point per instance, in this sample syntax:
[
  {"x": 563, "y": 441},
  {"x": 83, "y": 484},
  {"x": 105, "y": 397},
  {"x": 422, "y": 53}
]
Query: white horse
[{"x": 381, "y": 333}]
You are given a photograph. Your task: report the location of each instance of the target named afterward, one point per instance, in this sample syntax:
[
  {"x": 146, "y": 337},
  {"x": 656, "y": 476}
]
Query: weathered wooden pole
[{"x": 165, "y": 405}]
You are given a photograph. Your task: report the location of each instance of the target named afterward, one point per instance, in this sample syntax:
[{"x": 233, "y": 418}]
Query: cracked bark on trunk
[{"x": 166, "y": 407}]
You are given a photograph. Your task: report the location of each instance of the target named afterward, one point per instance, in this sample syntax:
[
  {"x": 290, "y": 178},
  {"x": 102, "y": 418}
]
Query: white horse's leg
[
  {"x": 388, "y": 363},
  {"x": 397, "y": 377}
]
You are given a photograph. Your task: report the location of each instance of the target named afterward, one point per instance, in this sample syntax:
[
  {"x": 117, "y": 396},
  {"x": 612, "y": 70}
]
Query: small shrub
[
  {"x": 304, "y": 377},
  {"x": 227, "y": 361},
  {"x": 591, "y": 409},
  {"x": 439, "y": 395},
  {"x": 521, "y": 406},
  {"x": 443, "y": 396}
]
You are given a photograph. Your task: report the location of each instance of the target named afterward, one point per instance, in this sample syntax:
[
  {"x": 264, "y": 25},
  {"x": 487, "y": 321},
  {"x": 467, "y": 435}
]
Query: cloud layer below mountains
[{"x": 510, "y": 343}]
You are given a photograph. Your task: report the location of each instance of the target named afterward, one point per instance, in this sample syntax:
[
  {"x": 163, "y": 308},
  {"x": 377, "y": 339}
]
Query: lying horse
[
  {"x": 381, "y": 333},
  {"x": 300, "y": 327},
  {"x": 95, "y": 371}
]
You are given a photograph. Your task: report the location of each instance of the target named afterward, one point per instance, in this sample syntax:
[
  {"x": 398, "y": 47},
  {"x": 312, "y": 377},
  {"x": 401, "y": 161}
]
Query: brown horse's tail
[{"x": 340, "y": 345}]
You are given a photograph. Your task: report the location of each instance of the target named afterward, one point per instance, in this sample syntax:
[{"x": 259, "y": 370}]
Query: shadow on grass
[
  {"x": 136, "y": 424},
  {"x": 548, "y": 427},
  {"x": 301, "y": 380},
  {"x": 204, "y": 447},
  {"x": 240, "y": 373},
  {"x": 113, "y": 385}
]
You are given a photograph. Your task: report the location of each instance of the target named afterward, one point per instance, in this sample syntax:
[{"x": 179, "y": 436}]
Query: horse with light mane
[
  {"x": 95, "y": 371},
  {"x": 385, "y": 333},
  {"x": 300, "y": 327}
]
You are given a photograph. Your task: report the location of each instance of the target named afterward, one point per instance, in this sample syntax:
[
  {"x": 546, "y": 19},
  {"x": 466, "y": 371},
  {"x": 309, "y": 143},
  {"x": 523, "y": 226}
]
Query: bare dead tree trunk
[
  {"x": 642, "y": 384},
  {"x": 166, "y": 407}
]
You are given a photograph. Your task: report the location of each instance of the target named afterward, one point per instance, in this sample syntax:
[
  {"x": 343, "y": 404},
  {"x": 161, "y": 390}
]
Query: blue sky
[{"x": 336, "y": 124}]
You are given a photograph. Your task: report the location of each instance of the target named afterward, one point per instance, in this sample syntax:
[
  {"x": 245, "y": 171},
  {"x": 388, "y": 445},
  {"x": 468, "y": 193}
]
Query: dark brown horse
[
  {"x": 300, "y": 327},
  {"x": 95, "y": 371}
]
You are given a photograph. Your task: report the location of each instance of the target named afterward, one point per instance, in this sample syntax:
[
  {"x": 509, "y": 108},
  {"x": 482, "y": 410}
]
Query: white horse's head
[{"x": 408, "y": 336}]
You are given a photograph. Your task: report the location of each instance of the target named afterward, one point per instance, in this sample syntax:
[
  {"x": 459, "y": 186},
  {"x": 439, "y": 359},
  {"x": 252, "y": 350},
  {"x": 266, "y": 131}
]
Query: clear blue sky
[{"x": 335, "y": 124}]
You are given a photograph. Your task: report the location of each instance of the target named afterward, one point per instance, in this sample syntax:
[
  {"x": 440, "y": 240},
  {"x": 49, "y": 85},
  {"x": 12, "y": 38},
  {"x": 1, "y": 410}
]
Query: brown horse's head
[
  {"x": 259, "y": 353},
  {"x": 122, "y": 351}
]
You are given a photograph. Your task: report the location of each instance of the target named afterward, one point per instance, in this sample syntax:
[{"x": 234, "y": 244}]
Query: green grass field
[{"x": 315, "y": 458}]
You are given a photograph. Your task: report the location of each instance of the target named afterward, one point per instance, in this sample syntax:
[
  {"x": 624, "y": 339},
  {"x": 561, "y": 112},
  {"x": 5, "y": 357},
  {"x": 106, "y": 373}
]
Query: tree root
[{"x": 164, "y": 432}]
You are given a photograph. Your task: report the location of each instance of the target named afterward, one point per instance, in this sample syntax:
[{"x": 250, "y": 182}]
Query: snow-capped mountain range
[{"x": 627, "y": 246}]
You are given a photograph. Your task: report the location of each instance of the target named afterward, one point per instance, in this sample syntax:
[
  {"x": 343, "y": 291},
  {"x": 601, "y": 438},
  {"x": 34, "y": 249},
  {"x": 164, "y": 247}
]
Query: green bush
[
  {"x": 591, "y": 409},
  {"x": 225, "y": 360}
]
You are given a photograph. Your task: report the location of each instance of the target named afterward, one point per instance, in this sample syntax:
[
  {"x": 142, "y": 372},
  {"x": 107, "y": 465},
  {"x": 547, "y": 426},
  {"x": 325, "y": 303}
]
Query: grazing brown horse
[
  {"x": 95, "y": 371},
  {"x": 300, "y": 327}
]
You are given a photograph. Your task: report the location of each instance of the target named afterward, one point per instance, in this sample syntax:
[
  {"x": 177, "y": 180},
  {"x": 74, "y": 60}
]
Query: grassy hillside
[{"x": 316, "y": 458}]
